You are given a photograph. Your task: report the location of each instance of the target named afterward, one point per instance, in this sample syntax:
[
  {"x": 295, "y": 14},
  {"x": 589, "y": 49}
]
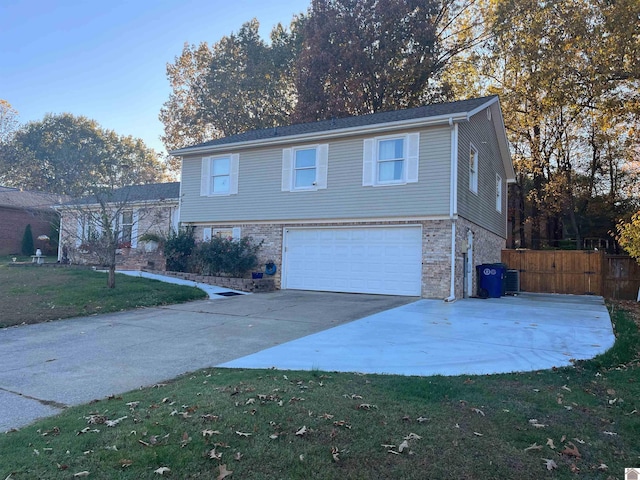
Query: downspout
[{"x": 453, "y": 206}]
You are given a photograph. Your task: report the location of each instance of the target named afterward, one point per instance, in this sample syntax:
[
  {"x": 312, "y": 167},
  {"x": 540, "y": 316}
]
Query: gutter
[
  {"x": 453, "y": 206},
  {"x": 326, "y": 134}
]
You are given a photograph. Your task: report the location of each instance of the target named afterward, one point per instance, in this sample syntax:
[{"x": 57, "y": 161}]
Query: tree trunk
[{"x": 111, "y": 280}]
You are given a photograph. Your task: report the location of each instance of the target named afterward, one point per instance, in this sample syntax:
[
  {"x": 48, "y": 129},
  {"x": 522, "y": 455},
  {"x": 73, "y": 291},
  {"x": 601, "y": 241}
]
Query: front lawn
[
  {"x": 34, "y": 294},
  {"x": 571, "y": 423}
]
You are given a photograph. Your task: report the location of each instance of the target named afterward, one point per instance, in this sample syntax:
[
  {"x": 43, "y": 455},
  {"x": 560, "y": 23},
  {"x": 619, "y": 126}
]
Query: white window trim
[
  {"x": 206, "y": 179},
  {"x": 288, "y": 168},
  {"x": 498, "y": 193},
  {"x": 411, "y": 159},
  {"x": 210, "y": 232},
  {"x": 473, "y": 170}
]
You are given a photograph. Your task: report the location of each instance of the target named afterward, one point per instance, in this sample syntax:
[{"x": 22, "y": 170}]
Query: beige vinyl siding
[
  {"x": 260, "y": 196},
  {"x": 480, "y": 208}
]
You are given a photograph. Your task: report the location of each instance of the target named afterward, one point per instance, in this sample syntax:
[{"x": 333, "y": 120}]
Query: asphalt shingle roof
[
  {"x": 426, "y": 111},
  {"x": 137, "y": 193},
  {"x": 16, "y": 198}
]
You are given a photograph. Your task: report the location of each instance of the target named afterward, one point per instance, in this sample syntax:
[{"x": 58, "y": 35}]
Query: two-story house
[{"x": 403, "y": 203}]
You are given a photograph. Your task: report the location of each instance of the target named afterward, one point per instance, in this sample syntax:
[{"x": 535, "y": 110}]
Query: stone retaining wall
[{"x": 242, "y": 284}]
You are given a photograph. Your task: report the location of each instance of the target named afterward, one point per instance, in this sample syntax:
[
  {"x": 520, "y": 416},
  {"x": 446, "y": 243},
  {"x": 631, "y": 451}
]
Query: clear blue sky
[{"x": 107, "y": 60}]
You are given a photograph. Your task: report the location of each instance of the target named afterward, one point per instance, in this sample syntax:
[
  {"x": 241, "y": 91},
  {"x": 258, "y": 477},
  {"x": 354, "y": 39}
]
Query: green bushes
[
  {"x": 225, "y": 256},
  {"x": 178, "y": 248}
]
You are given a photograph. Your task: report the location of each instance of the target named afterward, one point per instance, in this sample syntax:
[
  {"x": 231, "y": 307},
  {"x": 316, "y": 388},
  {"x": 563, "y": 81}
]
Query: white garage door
[{"x": 384, "y": 260}]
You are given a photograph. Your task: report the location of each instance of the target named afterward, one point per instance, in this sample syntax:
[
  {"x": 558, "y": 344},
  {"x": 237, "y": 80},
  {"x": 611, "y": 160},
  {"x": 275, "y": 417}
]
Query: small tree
[
  {"x": 629, "y": 235},
  {"x": 27, "y": 241}
]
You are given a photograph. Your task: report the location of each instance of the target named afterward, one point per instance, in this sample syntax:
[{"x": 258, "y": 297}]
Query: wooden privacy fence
[{"x": 577, "y": 272}]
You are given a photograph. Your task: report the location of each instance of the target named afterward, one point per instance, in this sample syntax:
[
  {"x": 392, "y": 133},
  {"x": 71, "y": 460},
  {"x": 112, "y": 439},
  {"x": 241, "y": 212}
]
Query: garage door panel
[{"x": 384, "y": 260}]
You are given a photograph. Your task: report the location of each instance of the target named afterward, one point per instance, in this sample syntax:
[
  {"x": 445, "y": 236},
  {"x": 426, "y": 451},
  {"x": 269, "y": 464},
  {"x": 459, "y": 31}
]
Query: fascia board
[{"x": 327, "y": 134}]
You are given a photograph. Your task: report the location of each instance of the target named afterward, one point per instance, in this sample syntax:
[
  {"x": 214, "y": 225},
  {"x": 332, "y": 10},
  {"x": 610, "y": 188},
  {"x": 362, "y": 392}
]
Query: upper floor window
[
  {"x": 305, "y": 168},
  {"x": 219, "y": 175},
  {"x": 473, "y": 169},
  {"x": 499, "y": 193},
  {"x": 391, "y": 160}
]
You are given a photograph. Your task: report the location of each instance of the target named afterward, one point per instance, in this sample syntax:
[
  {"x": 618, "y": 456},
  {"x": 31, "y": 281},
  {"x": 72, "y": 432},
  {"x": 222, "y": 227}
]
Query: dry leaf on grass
[
  {"x": 81, "y": 474},
  {"x": 535, "y": 446},
  {"x": 403, "y": 445},
  {"x": 243, "y": 434},
  {"x": 214, "y": 455},
  {"x": 162, "y": 470},
  {"x": 477, "y": 410},
  {"x": 208, "y": 433},
  {"x": 224, "y": 473},
  {"x": 571, "y": 450},
  {"x": 335, "y": 454},
  {"x": 550, "y": 443},
  {"x": 550, "y": 464},
  {"x": 302, "y": 431},
  {"x": 412, "y": 436}
]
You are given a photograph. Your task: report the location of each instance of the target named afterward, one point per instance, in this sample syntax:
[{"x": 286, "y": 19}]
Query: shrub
[
  {"x": 178, "y": 248},
  {"x": 27, "y": 241},
  {"x": 225, "y": 256}
]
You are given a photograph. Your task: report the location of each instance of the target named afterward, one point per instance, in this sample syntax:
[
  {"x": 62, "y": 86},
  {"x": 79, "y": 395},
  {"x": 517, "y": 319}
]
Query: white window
[
  {"x": 499, "y": 193},
  {"x": 127, "y": 227},
  {"x": 473, "y": 169},
  {"x": 219, "y": 175},
  {"x": 305, "y": 168},
  {"x": 391, "y": 160},
  {"x": 209, "y": 232}
]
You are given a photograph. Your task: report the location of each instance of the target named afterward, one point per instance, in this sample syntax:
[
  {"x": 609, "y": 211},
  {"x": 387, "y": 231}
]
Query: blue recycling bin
[{"x": 490, "y": 280}]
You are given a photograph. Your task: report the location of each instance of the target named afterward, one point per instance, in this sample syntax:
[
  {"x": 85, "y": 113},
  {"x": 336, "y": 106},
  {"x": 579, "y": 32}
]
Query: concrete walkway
[{"x": 473, "y": 336}]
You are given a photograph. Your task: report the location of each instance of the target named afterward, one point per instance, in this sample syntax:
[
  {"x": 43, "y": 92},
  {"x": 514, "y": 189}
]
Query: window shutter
[
  {"x": 233, "y": 175},
  {"x": 205, "y": 179},
  {"x": 413, "y": 157},
  {"x": 369, "y": 162},
  {"x": 134, "y": 230},
  {"x": 206, "y": 234},
  {"x": 322, "y": 166},
  {"x": 235, "y": 233},
  {"x": 79, "y": 231},
  {"x": 287, "y": 168}
]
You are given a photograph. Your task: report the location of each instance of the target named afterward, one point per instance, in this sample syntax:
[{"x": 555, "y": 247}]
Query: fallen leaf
[
  {"x": 571, "y": 450},
  {"x": 574, "y": 468},
  {"x": 477, "y": 410},
  {"x": 237, "y": 456},
  {"x": 242, "y": 434},
  {"x": 113, "y": 423},
  {"x": 273, "y": 436},
  {"x": 603, "y": 467},
  {"x": 208, "y": 433},
  {"x": 581, "y": 442},
  {"x": 422, "y": 419},
  {"x": 366, "y": 406},
  {"x": 550, "y": 464},
  {"x": 185, "y": 440},
  {"x": 564, "y": 387},
  {"x": 535, "y": 446},
  {"x": 478, "y": 434},
  {"x": 85, "y": 473},
  {"x": 335, "y": 454},
  {"x": 394, "y": 452},
  {"x": 412, "y": 436},
  {"x": 550, "y": 443},
  {"x": 610, "y": 433},
  {"x": 402, "y": 446},
  {"x": 302, "y": 431},
  {"x": 162, "y": 470},
  {"x": 125, "y": 462},
  {"x": 214, "y": 455}
]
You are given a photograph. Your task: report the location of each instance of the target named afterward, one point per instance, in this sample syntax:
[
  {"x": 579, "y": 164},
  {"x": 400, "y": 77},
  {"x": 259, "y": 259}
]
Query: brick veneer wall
[
  {"x": 13, "y": 222},
  {"x": 487, "y": 248},
  {"x": 436, "y": 248}
]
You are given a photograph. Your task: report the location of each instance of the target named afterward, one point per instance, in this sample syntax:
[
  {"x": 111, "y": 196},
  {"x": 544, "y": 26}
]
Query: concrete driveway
[
  {"x": 47, "y": 367},
  {"x": 473, "y": 336}
]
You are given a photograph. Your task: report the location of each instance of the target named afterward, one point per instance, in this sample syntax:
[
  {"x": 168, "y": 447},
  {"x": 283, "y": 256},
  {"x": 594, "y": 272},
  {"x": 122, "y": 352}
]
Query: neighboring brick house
[
  {"x": 135, "y": 211},
  {"x": 19, "y": 208},
  {"x": 404, "y": 202}
]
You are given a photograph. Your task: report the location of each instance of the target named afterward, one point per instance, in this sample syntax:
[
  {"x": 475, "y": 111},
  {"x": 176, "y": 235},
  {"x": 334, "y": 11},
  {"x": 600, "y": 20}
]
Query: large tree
[
  {"x": 71, "y": 155},
  {"x": 8, "y": 121},
  {"x": 239, "y": 83},
  {"x": 365, "y": 56},
  {"x": 563, "y": 100}
]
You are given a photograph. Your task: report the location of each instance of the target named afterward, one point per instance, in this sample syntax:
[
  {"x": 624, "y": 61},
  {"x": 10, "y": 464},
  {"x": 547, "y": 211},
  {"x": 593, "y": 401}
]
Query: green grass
[
  {"x": 479, "y": 427},
  {"x": 34, "y": 294}
]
